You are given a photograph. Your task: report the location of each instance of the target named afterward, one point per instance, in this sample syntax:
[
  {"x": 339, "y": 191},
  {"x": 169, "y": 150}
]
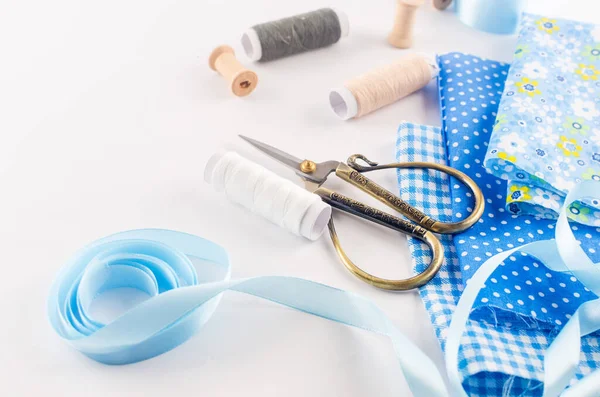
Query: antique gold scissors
[{"x": 315, "y": 174}]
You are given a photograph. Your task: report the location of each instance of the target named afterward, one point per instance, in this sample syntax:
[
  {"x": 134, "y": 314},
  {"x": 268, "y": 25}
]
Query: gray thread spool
[{"x": 293, "y": 35}]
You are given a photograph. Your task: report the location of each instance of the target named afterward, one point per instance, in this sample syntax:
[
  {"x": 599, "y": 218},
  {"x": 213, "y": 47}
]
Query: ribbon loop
[
  {"x": 561, "y": 254},
  {"x": 161, "y": 263}
]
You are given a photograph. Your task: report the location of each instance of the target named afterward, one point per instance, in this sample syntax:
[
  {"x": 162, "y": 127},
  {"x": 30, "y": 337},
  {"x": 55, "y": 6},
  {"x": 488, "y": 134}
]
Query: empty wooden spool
[
  {"x": 241, "y": 80},
  {"x": 401, "y": 35}
]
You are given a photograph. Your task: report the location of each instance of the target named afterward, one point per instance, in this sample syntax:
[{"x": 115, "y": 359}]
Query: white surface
[{"x": 109, "y": 112}]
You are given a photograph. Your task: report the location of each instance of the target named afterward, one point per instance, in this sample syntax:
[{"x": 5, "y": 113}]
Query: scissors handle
[
  {"x": 353, "y": 174},
  {"x": 422, "y": 230},
  {"x": 372, "y": 214},
  {"x": 354, "y": 207}
]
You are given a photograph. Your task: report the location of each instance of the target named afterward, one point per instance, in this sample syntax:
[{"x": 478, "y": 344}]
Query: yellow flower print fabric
[{"x": 547, "y": 132}]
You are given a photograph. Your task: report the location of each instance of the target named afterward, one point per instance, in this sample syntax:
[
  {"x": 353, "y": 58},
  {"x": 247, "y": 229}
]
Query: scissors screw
[{"x": 308, "y": 166}]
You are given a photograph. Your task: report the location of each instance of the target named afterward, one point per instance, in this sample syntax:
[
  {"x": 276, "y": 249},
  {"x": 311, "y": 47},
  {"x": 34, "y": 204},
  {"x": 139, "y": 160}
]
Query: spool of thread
[
  {"x": 267, "y": 194},
  {"x": 441, "y": 4},
  {"x": 383, "y": 86},
  {"x": 401, "y": 35},
  {"x": 241, "y": 80},
  {"x": 492, "y": 16},
  {"x": 293, "y": 35}
]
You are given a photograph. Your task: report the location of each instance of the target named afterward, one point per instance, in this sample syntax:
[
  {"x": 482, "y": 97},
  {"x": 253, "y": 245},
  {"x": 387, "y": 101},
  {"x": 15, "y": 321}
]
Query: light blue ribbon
[
  {"x": 493, "y": 16},
  {"x": 564, "y": 255},
  {"x": 161, "y": 264}
]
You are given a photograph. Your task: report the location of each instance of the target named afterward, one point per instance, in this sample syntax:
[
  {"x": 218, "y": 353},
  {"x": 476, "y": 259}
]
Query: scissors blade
[
  {"x": 279, "y": 155},
  {"x": 318, "y": 176}
]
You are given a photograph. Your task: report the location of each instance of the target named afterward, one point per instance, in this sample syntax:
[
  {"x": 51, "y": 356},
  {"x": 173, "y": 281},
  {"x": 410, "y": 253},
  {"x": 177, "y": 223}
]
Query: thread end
[{"x": 431, "y": 60}]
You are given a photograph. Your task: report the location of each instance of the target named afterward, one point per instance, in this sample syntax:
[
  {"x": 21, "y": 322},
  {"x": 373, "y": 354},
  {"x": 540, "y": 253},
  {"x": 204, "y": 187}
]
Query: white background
[{"x": 108, "y": 112}]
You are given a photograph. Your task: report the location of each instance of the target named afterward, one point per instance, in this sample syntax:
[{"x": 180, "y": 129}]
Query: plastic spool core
[
  {"x": 315, "y": 220},
  {"x": 343, "y": 103},
  {"x": 344, "y": 22},
  {"x": 251, "y": 44}
]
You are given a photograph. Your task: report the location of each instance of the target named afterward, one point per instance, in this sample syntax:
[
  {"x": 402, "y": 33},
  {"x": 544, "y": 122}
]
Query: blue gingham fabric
[
  {"x": 496, "y": 359},
  {"x": 523, "y": 290}
]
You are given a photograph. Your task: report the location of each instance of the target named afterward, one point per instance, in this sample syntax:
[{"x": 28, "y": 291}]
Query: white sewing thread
[
  {"x": 383, "y": 86},
  {"x": 267, "y": 194}
]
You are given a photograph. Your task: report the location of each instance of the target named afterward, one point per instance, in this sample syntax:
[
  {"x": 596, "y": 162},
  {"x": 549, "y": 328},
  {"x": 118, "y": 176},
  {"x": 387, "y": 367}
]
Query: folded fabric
[
  {"x": 522, "y": 293},
  {"x": 500, "y": 360},
  {"x": 547, "y": 134}
]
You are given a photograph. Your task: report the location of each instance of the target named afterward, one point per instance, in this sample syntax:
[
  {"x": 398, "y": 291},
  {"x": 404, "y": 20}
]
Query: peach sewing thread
[
  {"x": 401, "y": 35},
  {"x": 382, "y": 86}
]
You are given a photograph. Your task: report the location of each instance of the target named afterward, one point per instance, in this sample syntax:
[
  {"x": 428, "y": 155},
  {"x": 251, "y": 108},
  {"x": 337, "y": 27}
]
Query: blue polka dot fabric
[
  {"x": 522, "y": 291},
  {"x": 494, "y": 359}
]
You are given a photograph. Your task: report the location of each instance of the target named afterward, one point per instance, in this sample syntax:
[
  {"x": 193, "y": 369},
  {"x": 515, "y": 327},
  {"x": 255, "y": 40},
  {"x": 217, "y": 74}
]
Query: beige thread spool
[
  {"x": 241, "y": 80},
  {"x": 383, "y": 86},
  {"x": 401, "y": 35}
]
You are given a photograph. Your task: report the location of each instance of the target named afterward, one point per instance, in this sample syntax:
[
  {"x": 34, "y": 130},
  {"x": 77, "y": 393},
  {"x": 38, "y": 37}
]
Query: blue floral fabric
[
  {"x": 521, "y": 292},
  {"x": 547, "y": 133}
]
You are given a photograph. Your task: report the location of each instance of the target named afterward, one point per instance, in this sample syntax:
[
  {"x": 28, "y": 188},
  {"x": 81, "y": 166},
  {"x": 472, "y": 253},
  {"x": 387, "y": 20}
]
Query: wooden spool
[
  {"x": 441, "y": 4},
  {"x": 241, "y": 80},
  {"x": 401, "y": 35}
]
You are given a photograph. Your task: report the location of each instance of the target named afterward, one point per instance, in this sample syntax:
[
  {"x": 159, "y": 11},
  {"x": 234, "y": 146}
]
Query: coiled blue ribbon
[
  {"x": 161, "y": 264},
  {"x": 493, "y": 16}
]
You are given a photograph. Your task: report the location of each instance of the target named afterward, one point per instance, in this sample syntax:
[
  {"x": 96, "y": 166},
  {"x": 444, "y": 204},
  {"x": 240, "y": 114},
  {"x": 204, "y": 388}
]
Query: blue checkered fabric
[{"x": 494, "y": 360}]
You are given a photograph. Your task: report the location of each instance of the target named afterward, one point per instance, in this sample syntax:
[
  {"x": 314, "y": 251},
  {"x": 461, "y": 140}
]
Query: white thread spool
[
  {"x": 267, "y": 194},
  {"x": 383, "y": 86},
  {"x": 401, "y": 35}
]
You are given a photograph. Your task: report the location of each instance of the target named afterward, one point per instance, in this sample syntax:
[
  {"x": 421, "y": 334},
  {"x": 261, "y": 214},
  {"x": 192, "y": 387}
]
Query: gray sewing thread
[{"x": 298, "y": 34}]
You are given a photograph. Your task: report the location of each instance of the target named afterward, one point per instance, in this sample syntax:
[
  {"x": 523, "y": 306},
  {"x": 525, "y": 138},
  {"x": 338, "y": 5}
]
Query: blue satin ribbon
[
  {"x": 562, "y": 254},
  {"x": 161, "y": 264},
  {"x": 493, "y": 16}
]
